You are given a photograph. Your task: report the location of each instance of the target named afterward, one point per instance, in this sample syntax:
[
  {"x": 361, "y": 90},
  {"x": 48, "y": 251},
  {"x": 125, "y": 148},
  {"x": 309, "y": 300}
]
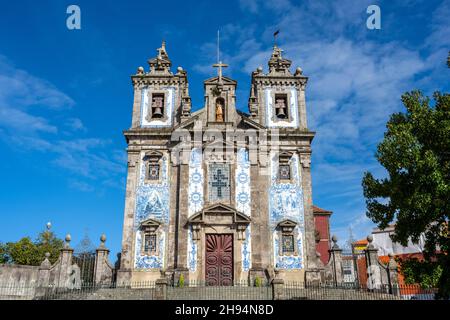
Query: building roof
[
  {"x": 317, "y": 210},
  {"x": 360, "y": 242}
]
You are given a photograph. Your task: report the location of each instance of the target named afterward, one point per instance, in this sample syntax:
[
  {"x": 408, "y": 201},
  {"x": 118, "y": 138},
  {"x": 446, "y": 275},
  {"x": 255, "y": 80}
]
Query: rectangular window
[
  {"x": 219, "y": 182},
  {"x": 150, "y": 243},
  {"x": 284, "y": 171},
  {"x": 157, "y": 105},
  {"x": 153, "y": 171},
  {"x": 288, "y": 244}
]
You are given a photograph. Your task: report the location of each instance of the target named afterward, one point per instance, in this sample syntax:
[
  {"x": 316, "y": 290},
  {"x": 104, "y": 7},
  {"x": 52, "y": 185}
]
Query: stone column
[
  {"x": 65, "y": 263},
  {"x": 336, "y": 262},
  {"x": 126, "y": 260},
  {"x": 161, "y": 289},
  {"x": 102, "y": 271}
]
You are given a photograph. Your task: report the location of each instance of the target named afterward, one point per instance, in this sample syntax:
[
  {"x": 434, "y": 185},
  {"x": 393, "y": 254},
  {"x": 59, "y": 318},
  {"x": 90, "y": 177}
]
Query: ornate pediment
[
  {"x": 150, "y": 225},
  {"x": 287, "y": 225},
  {"x": 219, "y": 214}
]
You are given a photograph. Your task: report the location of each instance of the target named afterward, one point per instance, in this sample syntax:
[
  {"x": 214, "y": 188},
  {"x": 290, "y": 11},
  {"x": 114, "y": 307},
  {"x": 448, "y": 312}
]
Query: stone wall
[{"x": 17, "y": 281}]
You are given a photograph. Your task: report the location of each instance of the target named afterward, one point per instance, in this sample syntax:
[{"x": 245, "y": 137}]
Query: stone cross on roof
[{"x": 220, "y": 65}]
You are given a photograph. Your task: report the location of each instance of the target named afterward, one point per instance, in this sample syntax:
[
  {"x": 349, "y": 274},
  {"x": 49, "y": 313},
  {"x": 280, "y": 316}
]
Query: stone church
[{"x": 218, "y": 195}]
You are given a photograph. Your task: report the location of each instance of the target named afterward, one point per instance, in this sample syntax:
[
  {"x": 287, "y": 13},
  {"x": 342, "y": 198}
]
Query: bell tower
[
  {"x": 277, "y": 99},
  {"x": 220, "y": 98},
  {"x": 161, "y": 98}
]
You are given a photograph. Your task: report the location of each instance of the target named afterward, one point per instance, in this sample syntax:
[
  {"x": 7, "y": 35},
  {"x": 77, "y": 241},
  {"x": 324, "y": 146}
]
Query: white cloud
[{"x": 24, "y": 100}]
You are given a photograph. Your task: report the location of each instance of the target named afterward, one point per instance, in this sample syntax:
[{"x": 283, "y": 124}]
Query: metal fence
[
  {"x": 131, "y": 291},
  {"x": 199, "y": 291},
  {"x": 353, "y": 291},
  {"x": 17, "y": 291}
]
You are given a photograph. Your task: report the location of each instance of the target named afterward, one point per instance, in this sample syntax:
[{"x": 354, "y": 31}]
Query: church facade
[{"x": 219, "y": 195}]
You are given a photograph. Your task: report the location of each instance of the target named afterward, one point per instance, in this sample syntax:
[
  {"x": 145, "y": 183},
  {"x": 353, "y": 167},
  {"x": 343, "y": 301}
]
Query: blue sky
[{"x": 66, "y": 95}]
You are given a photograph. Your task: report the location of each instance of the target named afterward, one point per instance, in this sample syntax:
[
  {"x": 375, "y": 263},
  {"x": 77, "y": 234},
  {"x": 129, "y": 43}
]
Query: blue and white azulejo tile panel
[
  {"x": 242, "y": 193},
  {"x": 243, "y": 201},
  {"x": 195, "y": 191},
  {"x": 143, "y": 261},
  {"x": 192, "y": 251},
  {"x": 292, "y": 122},
  {"x": 289, "y": 262},
  {"x": 286, "y": 202},
  {"x": 195, "y": 201},
  {"x": 246, "y": 249},
  {"x": 146, "y": 104},
  {"x": 152, "y": 201}
]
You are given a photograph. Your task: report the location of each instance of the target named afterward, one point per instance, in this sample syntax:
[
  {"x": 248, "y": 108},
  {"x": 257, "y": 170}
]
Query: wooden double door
[{"x": 219, "y": 259}]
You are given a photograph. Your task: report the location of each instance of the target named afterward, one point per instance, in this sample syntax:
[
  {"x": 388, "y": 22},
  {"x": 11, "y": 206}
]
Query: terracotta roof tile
[{"x": 317, "y": 210}]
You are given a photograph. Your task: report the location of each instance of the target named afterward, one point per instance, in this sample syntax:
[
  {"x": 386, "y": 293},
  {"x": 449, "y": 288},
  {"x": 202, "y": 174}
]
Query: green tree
[
  {"x": 427, "y": 274},
  {"x": 48, "y": 242},
  {"x": 4, "y": 258},
  {"x": 23, "y": 252},
  {"x": 28, "y": 252},
  {"x": 416, "y": 192}
]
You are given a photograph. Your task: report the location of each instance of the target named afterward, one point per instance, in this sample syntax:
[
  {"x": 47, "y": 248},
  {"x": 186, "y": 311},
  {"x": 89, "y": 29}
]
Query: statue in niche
[{"x": 219, "y": 110}]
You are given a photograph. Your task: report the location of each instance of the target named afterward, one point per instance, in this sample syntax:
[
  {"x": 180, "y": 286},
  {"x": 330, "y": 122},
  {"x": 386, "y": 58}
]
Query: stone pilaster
[
  {"x": 136, "y": 118},
  {"x": 312, "y": 262},
  {"x": 172, "y": 243},
  {"x": 183, "y": 209},
  {"x": 126, "y": 263}
]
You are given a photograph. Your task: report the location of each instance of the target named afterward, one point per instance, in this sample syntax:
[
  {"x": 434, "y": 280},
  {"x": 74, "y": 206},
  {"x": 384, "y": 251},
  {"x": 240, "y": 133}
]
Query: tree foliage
[
  {"x": 415, "y": 194},
  {"x": 427, "y": 274},
  {"x": 28, "y": 252}
]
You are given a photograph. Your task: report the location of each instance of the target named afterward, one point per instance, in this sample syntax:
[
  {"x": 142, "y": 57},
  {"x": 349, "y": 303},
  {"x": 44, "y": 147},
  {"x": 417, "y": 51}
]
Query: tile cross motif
[{"x": 220, "y": 181}]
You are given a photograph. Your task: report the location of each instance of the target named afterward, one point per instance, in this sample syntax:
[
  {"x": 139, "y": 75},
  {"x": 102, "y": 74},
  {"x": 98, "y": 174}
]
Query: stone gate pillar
[
  {"x": 43, "y": 280},
  {"x": 102, "y": 271},
  {"x": 336, "y": 262},
  {"x": 65, "y": 263}
]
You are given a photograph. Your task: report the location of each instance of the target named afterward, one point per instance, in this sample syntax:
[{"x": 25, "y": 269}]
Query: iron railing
[
  {"x": 198, "y": 290},
  {"x": 144, "y": 290},
  {"x": 201, "y": 290}
]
